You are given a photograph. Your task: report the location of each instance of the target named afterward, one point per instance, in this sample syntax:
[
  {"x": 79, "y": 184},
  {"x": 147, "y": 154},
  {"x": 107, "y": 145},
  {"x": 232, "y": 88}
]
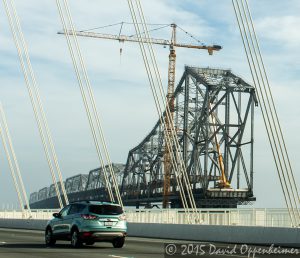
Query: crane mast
[{"x": 169, "y": 123}]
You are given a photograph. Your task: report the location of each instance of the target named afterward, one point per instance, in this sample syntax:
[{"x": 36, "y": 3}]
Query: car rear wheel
[
  {"x": 118, "y": 242},
  {"x": 75, "y": 241},
  {"x": 49, "y": 239}
]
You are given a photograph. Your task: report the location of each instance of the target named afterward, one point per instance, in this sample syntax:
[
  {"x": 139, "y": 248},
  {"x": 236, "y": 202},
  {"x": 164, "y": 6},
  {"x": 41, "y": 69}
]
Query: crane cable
[
  {"x": 94, "y": 118},
  {"x": 14, "y": 157},
  {"x": 168, "y": 116},
  {"x": 271, "y": 124},
  {"x": 173, "y": 134},
  {"x": 31, "y": 87},
  {"x": 122, "y": 23}
]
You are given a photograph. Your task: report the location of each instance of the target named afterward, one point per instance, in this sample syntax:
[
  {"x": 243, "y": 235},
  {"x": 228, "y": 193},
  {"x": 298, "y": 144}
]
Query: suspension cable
[
  {"x": 97, "y": 117},
  {"x": 87, "y": 83},
  {"x": 173, "y": 134},
  {"x": 263, "y": 104},
  {"x": 85, "y": 101},
  {"x": 262, "y": 97},
  {"x": 276, "y": 124},
  {"x": 169, "y": 120},
  {"x": 11, "y": 168},
  {"x": 30, "y": 81},
  {"x": 41, "y": 109},
  {"x": 251, "y": 46},
  {"x": 272, "y": 100},
  {"x": 14, "y": 157},
  {"x": 157, "y": 103},
  {"x": 168, "y": 115},
  {"x": 88, "y": 99}
]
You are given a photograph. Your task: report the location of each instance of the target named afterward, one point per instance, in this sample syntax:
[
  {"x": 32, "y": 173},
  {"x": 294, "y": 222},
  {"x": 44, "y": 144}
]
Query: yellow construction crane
[
  {"x": 223, "y": 182},
  {"x": 171, "y": 82}
]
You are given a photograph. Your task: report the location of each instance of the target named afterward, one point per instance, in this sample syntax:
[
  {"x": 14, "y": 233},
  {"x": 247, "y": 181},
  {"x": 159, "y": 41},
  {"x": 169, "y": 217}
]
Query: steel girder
[{"x": 201, "y": 94}]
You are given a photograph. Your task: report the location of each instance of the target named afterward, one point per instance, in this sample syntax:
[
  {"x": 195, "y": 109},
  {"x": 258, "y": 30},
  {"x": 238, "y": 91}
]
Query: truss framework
[{"x": 202, "y": 93}]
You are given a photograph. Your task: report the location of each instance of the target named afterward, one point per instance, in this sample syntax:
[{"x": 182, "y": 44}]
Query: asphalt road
[{"x": 25, "y": 243}]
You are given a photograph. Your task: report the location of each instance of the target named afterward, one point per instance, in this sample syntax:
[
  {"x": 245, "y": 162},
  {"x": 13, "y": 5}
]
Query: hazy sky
[{"x": 121, "y": 87}]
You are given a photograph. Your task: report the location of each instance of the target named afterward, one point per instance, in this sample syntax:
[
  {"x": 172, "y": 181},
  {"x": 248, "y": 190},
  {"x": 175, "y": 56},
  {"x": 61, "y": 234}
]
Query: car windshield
[{"x": 105, "y": 209}]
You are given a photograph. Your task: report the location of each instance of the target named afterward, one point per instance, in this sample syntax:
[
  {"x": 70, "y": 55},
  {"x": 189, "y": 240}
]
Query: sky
[{"x": 120, "y": 84}]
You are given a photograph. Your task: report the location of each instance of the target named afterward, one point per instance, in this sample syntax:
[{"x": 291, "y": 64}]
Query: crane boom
[{"x": 123, "y": 38}]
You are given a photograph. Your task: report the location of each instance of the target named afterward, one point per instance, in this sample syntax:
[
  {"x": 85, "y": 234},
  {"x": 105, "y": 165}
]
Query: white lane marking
[
  {"x": 234, "y": 255},
  {"x": 1, "y": 243},
  {"x": 116, "y": 256}
]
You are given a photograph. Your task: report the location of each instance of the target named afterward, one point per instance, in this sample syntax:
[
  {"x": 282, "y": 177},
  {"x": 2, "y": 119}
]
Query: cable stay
[
  {"x": 89, "y": 101},
  {"x": 174, "y": 156},
  {"x": 268, "y": 109},
  {"x": 142, "y": 36},
  {"x": 13, "y": 165},
  {"x": 35, "y": 99}
]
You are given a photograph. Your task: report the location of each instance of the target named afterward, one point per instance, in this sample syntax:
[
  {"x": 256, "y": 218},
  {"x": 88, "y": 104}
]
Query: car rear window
[{"x": 105, "y": 209}]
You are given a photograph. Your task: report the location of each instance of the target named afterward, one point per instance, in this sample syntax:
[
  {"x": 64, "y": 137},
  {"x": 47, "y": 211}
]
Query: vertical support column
[
  {"x": 186, "y": 120},
  {"x": 197, "y": 115},
  {"x": 239, "y": 147},
  {"x": 207, "y": 130},
  {"x": 252, "y": 141},
  {"x": 227, "y": 125}
]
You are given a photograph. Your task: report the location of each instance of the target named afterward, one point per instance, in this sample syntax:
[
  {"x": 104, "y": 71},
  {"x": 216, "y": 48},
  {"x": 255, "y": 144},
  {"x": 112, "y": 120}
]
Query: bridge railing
[
  {"x": 230, "y": 217},
  {"x": 34, "y": 214}
]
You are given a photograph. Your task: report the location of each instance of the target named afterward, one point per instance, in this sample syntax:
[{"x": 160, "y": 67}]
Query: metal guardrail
[{"x": 230, "y": 217}]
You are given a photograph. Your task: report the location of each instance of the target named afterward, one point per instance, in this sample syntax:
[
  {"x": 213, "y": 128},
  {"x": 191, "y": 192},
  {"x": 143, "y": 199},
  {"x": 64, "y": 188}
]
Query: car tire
[
  {"x": 118, "y": 242},
  {"x": 49, "y": 239},
  {"x": 75, "y": 240},
  {"x": 90, "y": 243}
]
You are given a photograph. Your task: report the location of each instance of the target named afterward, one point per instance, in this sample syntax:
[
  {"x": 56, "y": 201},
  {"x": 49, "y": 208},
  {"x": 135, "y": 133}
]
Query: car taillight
[
  {"x": 87, "y": 216},
  {"x": 122, "y": 217}
]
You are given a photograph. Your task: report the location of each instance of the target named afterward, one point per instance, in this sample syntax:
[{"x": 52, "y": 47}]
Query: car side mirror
[{"x": 56, "y": 215}]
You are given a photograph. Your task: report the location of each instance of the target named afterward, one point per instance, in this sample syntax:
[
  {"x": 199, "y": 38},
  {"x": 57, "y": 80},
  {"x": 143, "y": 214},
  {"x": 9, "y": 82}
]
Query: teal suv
[{"x": 88, "y": 222}]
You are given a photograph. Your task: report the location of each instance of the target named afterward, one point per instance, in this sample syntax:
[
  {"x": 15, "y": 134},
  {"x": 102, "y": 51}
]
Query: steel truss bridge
[{"x": 212, "y": 107}]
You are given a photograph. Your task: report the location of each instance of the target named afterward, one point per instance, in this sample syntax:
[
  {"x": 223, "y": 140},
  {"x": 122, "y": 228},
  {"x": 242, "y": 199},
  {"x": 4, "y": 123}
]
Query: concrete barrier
[
  {"x": 23, "y": 224},
  {"x": 206, "y": 233},
  {"x": 224, "y": 234}
]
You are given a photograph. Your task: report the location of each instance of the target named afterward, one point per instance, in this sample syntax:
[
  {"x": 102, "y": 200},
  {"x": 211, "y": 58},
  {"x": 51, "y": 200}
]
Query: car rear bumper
[
  {"x": 108, "y": 234},
  {"x": 101, "y": 236}
]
